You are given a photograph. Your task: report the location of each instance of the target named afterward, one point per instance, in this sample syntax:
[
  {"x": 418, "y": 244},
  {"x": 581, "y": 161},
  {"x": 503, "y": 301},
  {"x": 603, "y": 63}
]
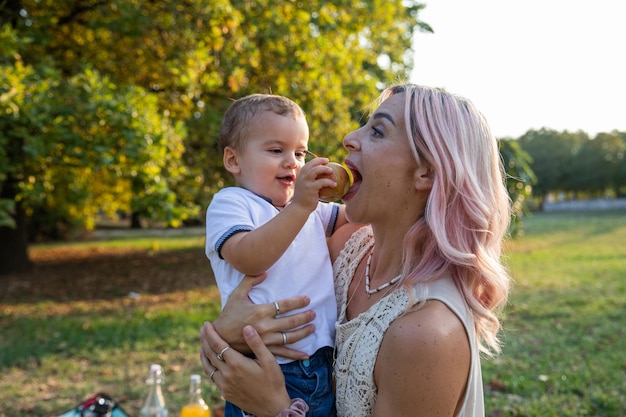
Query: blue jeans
[{"x": 311, "y": 380}]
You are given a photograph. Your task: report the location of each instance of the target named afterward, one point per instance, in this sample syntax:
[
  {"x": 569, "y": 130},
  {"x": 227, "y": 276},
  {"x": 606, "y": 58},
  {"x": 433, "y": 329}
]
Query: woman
[{"x": 417, "y": 289}]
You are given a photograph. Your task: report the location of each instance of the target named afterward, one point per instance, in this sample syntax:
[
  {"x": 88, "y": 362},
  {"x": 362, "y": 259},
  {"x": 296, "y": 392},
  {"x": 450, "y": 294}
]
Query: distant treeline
[{"x": 573, "y": 164}]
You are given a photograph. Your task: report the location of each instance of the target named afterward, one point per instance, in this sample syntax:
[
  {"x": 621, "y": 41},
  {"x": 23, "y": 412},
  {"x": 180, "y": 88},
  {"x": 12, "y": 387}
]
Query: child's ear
[
  {"x": 424, "y": 177},
  {"x": 230, "y": 160}
]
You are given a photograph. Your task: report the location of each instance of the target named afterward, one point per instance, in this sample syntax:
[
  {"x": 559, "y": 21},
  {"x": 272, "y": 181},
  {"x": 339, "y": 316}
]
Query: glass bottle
[
  {"x": 154, "y": 404},
  {"x": 195, "y": 407}
]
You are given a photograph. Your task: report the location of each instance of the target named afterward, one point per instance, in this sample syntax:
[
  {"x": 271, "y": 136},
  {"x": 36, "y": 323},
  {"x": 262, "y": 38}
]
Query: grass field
[
  {"x": 70, "y": 329},
  {"x": 565, "y": 337}
]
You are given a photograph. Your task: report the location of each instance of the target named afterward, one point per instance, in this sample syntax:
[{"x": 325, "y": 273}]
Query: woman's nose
[{"x": 350, "y": 141}]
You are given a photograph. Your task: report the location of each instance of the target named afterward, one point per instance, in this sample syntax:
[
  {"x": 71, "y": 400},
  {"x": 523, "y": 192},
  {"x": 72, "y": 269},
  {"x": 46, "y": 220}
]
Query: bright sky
[{"x": 559, "y": 64}]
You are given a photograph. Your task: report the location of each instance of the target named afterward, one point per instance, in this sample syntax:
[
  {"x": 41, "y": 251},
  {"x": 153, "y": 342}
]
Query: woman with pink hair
[{"x": 418, "y": 289}]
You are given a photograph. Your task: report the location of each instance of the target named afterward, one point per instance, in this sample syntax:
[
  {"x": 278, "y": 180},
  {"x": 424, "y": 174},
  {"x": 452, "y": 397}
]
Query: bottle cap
[{"x": 156, "y": 374}]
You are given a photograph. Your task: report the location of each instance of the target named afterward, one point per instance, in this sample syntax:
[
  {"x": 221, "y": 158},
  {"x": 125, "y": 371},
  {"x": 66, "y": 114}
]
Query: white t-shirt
[{"x": 304, "y": 268}]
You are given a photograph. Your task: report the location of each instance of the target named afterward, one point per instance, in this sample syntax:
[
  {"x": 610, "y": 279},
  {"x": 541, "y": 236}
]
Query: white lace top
[{"x": 358, "y": 340}]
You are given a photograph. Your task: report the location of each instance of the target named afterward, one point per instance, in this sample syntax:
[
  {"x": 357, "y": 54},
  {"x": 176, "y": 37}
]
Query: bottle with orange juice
[{"x": 195, "y": 407}]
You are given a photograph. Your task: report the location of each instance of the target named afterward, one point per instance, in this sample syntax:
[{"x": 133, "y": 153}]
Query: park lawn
[
  {"x": 564, "y": 328},
  {"x": 93, "y": 316}
]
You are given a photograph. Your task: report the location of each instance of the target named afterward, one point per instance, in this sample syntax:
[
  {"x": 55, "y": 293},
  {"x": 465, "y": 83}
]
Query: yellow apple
[{"x": 343, "y": 178}]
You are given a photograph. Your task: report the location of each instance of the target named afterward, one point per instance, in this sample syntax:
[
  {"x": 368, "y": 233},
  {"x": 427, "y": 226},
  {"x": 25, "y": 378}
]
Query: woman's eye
[{"x": 376, "y": 131}]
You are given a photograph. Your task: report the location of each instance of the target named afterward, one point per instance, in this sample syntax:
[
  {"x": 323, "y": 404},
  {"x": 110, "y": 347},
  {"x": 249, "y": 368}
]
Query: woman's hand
[
  {"x": 239, "y": 311},
  {"x": 256, "y": 386}
]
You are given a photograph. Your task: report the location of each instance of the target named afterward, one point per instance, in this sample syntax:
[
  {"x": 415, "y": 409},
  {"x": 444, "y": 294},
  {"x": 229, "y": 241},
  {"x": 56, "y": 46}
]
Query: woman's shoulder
[
  {"x": 429, "y": 350},
  {"x": 433, "y": 333},
  {"x": 432, "y": 320}
]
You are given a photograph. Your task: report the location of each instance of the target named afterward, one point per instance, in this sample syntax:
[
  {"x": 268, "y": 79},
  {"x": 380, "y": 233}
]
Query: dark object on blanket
[{"x": 100, "y": 405}]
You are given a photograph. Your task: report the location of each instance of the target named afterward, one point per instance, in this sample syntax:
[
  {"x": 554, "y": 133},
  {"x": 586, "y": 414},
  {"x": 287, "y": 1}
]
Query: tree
[
  {"x": 319, "y": 53},
  {"x": 73, "y": 149},
  {"x": 620, "y": 175},
  {"x": 552, "y": 156},
  {"x": 519, "y": 180},
  {"x": 198, "y": 55},
  {"x": 598, "y": 164},
  {"x": 97, "y": 95}
]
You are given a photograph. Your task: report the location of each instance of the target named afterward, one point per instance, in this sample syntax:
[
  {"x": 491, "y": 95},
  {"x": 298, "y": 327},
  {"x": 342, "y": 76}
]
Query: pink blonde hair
[{"x": 468, "y": 211}]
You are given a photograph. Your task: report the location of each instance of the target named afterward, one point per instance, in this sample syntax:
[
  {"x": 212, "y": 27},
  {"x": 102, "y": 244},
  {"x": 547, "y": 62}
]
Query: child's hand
[{"x": 313, "y": 176}]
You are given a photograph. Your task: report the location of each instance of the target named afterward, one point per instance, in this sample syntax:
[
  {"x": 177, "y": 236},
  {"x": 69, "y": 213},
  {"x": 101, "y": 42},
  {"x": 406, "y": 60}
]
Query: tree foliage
[
  {"x": 519, "y": 180},
  {"x": 114, "y": 107},
  {"x": 80, "y": 146},
  {"x": 552, "y": 156},
  {"x": 599, "y": 162},
  {"x": 574, "y": 165}
]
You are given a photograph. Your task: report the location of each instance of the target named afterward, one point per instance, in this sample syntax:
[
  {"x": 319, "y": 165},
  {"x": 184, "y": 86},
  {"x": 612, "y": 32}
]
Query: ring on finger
[
  {"x": 284, "y": 337},
  {"x": 220, "y": 356},
  {"x": 277, "y": 307},
  {"x": 213, "y": 373}
]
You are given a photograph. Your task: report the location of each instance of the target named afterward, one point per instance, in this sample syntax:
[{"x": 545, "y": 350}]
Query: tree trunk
[
  {"x": 14, "y": 245},
  {"x": 135, "y": 220},
  {"x": 14, "y": 241}
]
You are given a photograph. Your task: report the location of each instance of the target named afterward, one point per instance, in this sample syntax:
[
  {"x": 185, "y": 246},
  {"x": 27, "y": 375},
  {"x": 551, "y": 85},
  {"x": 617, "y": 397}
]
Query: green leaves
[
  {"x": 520, "y": 179},
  {"x": 109, "y": 107},
  {"x": 573, "y": 164},
  {"x": 83, "y": 145}
]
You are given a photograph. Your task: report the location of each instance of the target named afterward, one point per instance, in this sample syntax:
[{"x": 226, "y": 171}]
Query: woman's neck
[{"x": 386, "y": 262}]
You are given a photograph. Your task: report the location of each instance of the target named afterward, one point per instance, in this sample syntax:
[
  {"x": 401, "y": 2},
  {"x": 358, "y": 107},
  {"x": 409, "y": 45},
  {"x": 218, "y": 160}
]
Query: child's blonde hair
[{"x": 233, "y": 131}]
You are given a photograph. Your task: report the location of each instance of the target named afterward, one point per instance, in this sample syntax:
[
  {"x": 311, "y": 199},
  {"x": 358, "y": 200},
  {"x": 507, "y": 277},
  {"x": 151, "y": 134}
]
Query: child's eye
[
  {"x": 300, "y": 154},
  {"x": 276, "y": 150}
]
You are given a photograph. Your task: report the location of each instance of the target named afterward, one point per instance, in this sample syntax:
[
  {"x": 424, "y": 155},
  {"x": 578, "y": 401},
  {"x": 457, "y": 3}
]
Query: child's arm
[{"x": 254, "y": 252}]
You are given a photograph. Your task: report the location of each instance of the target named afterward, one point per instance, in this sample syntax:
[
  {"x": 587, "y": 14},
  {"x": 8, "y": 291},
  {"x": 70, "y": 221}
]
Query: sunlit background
[{"x": 529, "y": 64}]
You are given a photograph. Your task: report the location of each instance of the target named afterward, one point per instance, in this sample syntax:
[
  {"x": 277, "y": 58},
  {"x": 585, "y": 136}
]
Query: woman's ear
[
  {"x": 230, "y": 160},
  {"x": 424, "y": 177}
]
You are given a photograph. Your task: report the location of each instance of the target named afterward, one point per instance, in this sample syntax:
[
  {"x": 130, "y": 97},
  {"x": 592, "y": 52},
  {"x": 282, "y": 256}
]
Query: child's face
[{"x": 272, "y": 156}]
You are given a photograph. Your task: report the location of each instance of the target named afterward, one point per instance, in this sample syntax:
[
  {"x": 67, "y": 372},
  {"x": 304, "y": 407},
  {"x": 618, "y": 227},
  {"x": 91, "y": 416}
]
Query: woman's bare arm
[
  {"x": 239, "y": 311},
  {"x": 423, "y": 364}
]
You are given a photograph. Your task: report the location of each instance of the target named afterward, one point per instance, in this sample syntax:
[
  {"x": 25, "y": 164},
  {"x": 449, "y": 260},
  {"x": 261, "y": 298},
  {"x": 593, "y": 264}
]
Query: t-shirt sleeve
[
  {"x": 227, "y": 215},
  {"x": 328, "y": 213}
]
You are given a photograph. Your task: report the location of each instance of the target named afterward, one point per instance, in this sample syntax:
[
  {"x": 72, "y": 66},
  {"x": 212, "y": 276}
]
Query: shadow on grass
[
  {"x": 79, "y": 301},
  {"x": 108, "y": 274}
]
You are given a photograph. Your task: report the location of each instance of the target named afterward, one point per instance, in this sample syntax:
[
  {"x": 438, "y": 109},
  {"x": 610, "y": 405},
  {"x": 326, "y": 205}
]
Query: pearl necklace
[{"x": 367, "y": 278}]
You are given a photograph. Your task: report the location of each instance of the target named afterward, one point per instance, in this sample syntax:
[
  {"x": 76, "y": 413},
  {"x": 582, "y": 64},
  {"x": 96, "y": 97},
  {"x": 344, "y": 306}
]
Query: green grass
[
  {"x": 564, "y": 331},
  {"x": 51, "y": 362},
  {"x": 140, "y": 242}
]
